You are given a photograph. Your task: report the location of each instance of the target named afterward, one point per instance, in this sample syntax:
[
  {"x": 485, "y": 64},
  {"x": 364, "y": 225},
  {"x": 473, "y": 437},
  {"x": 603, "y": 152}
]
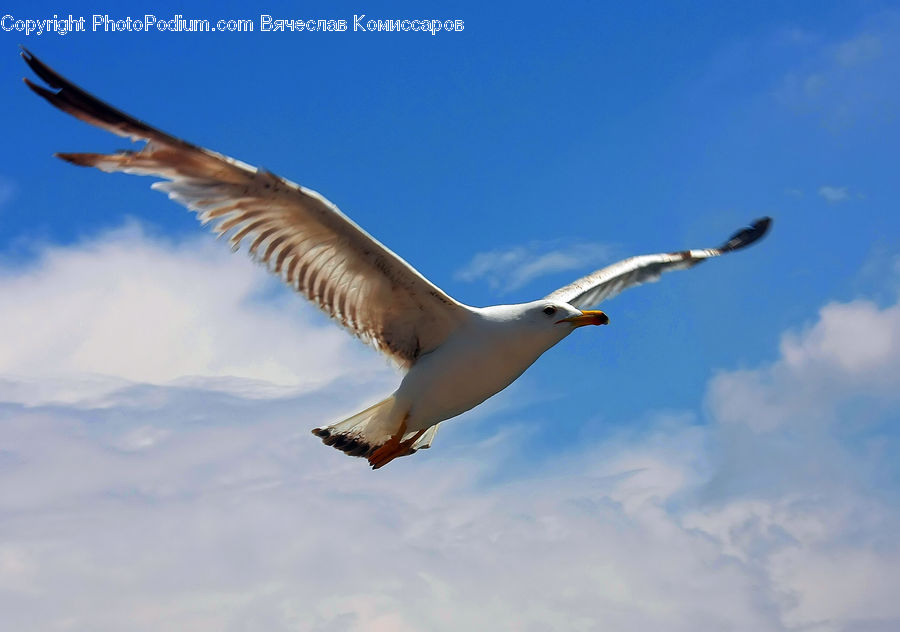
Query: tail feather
[
  {"x": 424, "y": 442},
  {"x": 364, "y": 432}
]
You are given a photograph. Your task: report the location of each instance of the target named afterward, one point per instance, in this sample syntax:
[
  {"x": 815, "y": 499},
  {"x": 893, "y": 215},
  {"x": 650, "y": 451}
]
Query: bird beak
[{"x": 588, "y": 317}]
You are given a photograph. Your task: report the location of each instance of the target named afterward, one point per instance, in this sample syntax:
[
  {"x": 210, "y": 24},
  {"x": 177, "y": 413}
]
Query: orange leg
[
  {"x": 406, "y": 446},
  {"x": 381, "y": 456},
  {"x": 394, "y": 448}
]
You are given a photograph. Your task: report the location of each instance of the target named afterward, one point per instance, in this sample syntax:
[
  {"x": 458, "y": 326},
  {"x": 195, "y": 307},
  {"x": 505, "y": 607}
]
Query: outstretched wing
[
  {"x": 609, "y": 281},
  {"x": 295, "y": 232}
]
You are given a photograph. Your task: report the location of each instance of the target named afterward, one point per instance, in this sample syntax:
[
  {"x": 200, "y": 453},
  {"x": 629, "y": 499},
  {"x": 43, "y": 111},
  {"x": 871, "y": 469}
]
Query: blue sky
[{"x": 745, "y": 410}]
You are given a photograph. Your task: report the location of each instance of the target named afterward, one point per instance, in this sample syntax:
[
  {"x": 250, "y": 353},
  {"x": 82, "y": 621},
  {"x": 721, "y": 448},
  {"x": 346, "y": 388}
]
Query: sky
[{"x": 721, "y": 457}]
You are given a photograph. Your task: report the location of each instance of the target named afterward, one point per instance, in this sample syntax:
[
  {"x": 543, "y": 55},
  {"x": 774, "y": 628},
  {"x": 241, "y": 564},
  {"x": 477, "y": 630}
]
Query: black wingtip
[
  {"x": 746, "y": 236},
  {"x": 81, "y": 104},
  {"x": 39, "y": 68},
  {"x": 30, "y": 59}
]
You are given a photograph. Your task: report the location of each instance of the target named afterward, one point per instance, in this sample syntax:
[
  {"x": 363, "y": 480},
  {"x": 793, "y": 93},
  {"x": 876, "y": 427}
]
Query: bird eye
[{"x": 549, "y": 310}]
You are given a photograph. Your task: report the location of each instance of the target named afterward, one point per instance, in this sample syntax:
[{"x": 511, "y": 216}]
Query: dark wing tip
[
  {"x": 69, "y": 98},
  {"x": 350, "y": 445},
  {"x": 25, "y": 54},
  {"x": 41, "y": 90},
  {"x": 746, "y": 236},
  {"x": 42, "y": 70}
]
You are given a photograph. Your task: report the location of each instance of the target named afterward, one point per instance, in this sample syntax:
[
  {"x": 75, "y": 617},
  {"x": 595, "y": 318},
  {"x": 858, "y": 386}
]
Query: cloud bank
[
  {"x": 166, "y": 504},
  {"x": 126, "y": 308}
]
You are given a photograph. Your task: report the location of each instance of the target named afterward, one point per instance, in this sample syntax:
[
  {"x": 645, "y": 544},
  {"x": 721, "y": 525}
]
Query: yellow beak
[{"x": 588, "y": 317}]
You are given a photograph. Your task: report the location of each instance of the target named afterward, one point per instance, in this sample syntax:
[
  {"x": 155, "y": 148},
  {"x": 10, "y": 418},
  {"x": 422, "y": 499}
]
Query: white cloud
[
  {"x": 253, "y": 524},
  {"x": 807, "y": 440},
  {"x": 513, "y": 268},
  {"x": 853, "y": 349},
  {"x": 83, "y": 321},
  {"x": 185, "y": 508},
  {"x": 821, "y": 557},
  {"x": 834, "y": 194}
]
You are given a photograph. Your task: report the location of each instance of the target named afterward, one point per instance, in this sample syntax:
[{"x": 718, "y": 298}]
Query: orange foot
[{"x": 394, "y": 448}]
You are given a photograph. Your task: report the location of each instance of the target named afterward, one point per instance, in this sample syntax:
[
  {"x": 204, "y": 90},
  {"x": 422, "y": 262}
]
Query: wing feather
[
  {"x": 294, "y": 231},
  {"x": 609, "y": 281}
]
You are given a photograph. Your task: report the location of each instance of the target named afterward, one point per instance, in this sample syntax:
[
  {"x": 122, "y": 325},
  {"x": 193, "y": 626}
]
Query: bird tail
[{"x": 366, "y": 431}]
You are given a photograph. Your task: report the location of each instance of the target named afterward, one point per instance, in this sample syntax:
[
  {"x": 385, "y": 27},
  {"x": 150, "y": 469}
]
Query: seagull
[{"x": 454, "y": 356}]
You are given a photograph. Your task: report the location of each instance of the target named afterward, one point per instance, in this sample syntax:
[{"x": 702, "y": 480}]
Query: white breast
[{"x": 479, "y": 360}]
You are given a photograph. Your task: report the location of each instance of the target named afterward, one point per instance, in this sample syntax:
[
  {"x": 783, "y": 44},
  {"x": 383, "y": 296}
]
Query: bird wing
[
  {"x": 609, "y": 281},
  {"x": 294, "y": 231}
]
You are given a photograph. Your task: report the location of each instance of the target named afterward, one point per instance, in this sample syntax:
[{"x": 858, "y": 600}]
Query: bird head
[{"x": 565, "y": 315}]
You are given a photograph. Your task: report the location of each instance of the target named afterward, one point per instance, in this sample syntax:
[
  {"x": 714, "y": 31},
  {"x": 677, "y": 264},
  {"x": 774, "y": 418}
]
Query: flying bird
[{"x": 455, "y": 356}]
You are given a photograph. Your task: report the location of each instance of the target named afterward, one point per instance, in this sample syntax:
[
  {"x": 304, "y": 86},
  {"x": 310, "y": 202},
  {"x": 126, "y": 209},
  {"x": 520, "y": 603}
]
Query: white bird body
[
  {"x": 456, "y": 356},
  {"x": 488, "y": 352}
]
